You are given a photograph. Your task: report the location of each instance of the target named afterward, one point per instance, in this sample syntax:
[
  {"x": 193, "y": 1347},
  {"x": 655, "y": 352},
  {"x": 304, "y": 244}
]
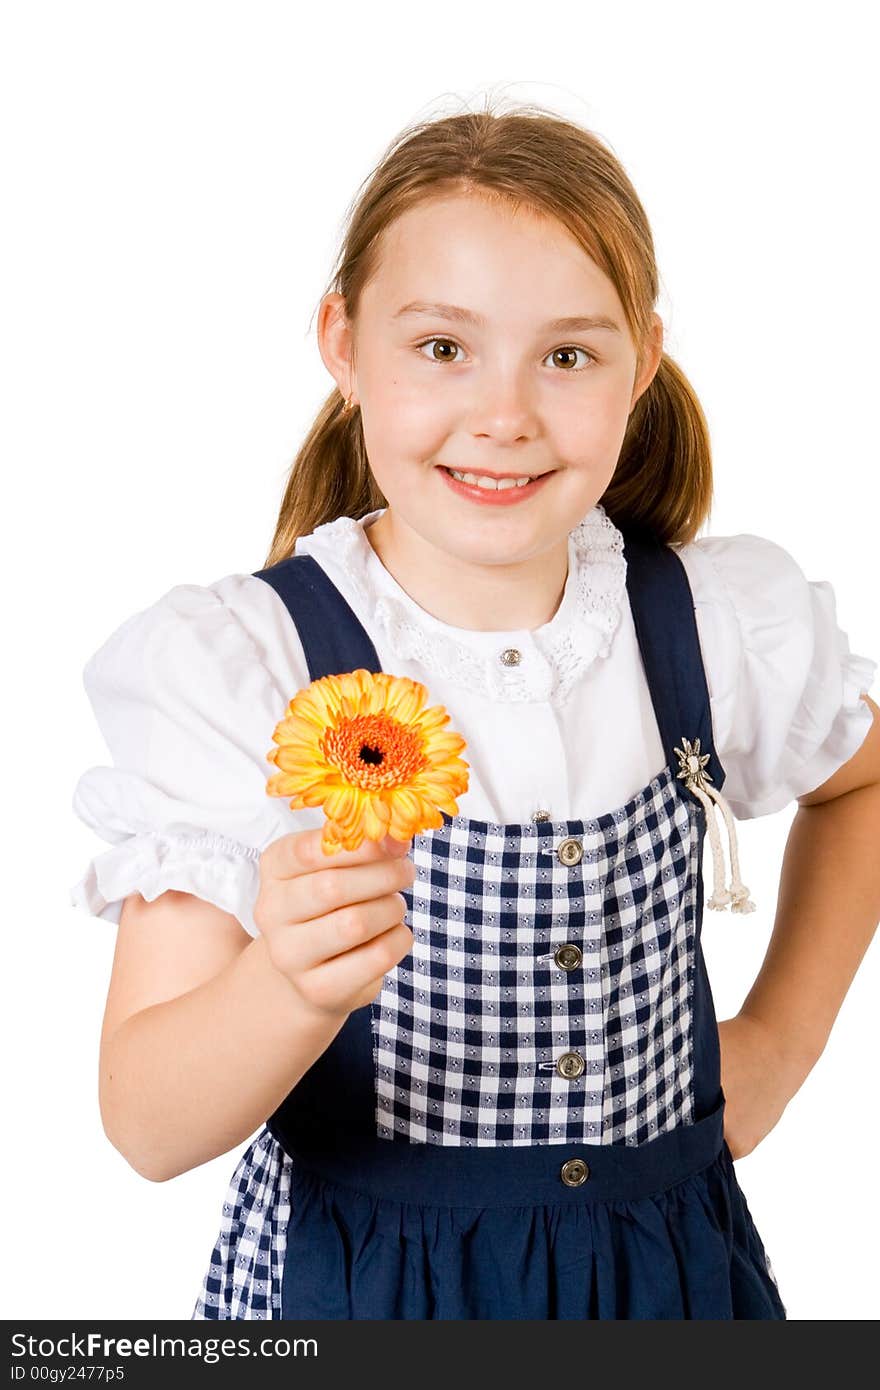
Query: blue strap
[
  {"x": 333, "y": 637},
  {"x": 666, "y": 627}
]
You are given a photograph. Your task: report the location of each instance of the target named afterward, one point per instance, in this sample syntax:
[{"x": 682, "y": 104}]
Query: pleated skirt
[{"x": 294, "y": 1244}]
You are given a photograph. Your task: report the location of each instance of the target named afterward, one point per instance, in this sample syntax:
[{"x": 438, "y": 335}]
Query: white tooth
[{"x": 489, "y": 483}]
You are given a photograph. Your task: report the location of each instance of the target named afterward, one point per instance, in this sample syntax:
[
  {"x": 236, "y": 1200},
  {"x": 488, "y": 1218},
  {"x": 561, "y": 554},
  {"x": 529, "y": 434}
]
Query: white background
[{"x": 175, "y": 178}]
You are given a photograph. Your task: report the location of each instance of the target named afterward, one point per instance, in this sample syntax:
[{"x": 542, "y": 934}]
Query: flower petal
[
  {"x": 376, "y": 817},
  {"x": 343, "y": 803}
]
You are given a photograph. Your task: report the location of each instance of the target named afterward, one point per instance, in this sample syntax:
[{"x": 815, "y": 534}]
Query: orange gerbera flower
[{"x": 363, "y": 746}]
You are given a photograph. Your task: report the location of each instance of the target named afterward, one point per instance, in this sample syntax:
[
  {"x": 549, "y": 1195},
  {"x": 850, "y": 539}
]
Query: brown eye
[
  {"x": 568, "y": 353},
  {"x": 444, "y": 343}
]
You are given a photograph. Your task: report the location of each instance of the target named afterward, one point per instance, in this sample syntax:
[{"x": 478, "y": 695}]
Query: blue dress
[{"x": 527, "y": 1122}]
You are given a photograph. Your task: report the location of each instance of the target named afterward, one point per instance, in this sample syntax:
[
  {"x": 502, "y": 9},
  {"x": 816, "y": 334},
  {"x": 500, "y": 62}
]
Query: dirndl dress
[{"x": 527, "y": 1122}]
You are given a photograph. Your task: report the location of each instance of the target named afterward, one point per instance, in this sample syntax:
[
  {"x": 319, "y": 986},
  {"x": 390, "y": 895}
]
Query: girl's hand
[
  {"x": 334, "y": 926},
  {"x": 758, "y": 1080}
]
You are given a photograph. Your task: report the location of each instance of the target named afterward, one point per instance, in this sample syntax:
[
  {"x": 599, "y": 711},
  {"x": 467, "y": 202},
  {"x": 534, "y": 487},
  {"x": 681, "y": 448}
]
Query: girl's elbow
[
  {"x": 145, "y": 1160},
  {"x": 143, "y": 1163}
]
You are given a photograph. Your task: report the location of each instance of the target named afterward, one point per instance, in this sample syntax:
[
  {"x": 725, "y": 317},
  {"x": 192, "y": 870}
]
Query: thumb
[{"x": 396, "y": 848}]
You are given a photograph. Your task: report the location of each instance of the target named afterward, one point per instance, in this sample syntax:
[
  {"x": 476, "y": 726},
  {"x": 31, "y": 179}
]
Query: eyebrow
[{"x": 574, "y": 323}]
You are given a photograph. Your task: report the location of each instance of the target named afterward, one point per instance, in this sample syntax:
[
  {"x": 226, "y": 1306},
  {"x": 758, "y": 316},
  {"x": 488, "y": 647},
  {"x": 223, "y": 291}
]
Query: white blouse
[{"x": 188, "y": 691}]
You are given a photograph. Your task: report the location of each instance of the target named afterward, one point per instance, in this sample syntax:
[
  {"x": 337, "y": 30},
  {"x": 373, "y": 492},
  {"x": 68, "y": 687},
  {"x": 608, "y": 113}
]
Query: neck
[{"x": 480, "y": 598}]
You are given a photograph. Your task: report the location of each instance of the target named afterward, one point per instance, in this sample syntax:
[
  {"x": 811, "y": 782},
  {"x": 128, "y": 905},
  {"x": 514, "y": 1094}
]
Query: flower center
[{"x": 375, "y": 750}]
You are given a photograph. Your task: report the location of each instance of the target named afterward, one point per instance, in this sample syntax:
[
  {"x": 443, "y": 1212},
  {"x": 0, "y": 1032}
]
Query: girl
[{"x": 484, "y": 1065}]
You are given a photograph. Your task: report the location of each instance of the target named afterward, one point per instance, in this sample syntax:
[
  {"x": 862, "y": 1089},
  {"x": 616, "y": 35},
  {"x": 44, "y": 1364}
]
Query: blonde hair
[{"x": 531, "y": 157}]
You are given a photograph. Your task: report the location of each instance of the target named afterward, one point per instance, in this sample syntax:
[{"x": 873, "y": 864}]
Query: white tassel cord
[
  {"x": 738, "y": 890},
  {"x": 696, "y": 779},
  {"x": 720, "y": 895}
]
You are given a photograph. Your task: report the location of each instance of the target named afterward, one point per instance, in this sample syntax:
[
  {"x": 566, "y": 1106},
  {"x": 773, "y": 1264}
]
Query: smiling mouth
[{"x": 493, "y": 480}]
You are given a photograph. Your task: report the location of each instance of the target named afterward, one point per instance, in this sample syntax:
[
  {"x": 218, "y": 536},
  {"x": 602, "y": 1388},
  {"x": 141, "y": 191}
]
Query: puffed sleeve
[
  {"x": 784, "y": 686},
  {"x": 187, "y": 693}
]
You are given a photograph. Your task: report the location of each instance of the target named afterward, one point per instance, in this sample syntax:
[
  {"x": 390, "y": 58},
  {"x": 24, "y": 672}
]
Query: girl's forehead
[
  {"x": 474, "y": 218},
  {"x": 468, "y": 251}
]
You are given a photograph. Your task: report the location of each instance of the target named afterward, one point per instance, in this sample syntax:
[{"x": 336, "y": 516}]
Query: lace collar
[{"x": 551, "y": 657}]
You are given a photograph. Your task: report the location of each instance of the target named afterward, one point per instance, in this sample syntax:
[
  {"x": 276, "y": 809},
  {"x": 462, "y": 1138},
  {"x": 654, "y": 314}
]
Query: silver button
[
  {"x": 574, "y": 1171},
  {"x": 510, "y": 656},
  {"x": 571, "y": 1065},
  {"x": 570, "y": 852},
  {"x": 568, "y": 957}
]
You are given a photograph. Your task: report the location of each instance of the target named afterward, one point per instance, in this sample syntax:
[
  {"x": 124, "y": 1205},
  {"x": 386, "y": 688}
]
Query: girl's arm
[
  {"x": 191, "y": 1077},
  {"x": 827, "y": 912}
]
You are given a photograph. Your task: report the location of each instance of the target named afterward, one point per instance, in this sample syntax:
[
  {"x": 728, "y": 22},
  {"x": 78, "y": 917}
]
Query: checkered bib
[
  {"x": 483, "y": 1036},
  {"x": 527, "y": 1122}
]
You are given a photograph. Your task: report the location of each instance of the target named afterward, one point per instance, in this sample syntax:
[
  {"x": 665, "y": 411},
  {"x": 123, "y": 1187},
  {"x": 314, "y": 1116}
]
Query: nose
[{"x": 503, "y": 408}]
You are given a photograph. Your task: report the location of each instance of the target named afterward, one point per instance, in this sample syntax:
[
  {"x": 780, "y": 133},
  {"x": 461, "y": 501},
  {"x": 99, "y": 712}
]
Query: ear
[
  {"x": 649, "y": 361},
  {"x": 336, "y": 342}
]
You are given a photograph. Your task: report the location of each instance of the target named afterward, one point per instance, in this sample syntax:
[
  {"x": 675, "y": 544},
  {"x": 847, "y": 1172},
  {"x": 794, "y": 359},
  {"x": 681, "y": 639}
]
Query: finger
[
  {"x": 300, "y": 853},
  {"x": 326, "y": 890},
  {"x": 303, "y": 946},
  {"x": 368, "y": 993},
  {"x": 344, "y": 976},
  {"x": 396, "y": 849}
]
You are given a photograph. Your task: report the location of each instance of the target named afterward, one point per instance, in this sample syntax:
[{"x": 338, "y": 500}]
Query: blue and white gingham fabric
[
  {"x": 468, "y": 1027},
  {"x": 243, "y": 1279}
]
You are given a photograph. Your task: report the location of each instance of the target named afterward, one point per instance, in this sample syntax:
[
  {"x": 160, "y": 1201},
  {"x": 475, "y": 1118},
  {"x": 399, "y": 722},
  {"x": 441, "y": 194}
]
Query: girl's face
[{"x": 462, "y": 359}]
